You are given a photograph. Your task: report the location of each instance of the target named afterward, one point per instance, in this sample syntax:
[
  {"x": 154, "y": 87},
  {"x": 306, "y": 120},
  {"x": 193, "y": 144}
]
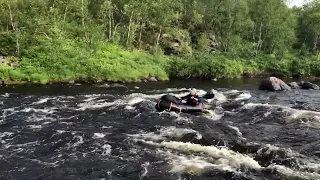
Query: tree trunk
[
  {"x": 129, "y": 28},
  {"x": 115, "y": 30},
  {"x": 82, "y": 11},
  {"x": 65, "y": 13},
  {"x": 159, "y": 35},
  {"x": 140, "y": 33},
  {"x": 14, "y": 30},
  {"x": 259, "y": 44},
  {"x": 110, "y": 23},
  {"x": 315, "y": 43},
  {"x": 83, "y": 18}
]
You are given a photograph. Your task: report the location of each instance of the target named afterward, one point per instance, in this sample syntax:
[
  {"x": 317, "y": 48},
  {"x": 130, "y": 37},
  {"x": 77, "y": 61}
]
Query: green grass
[
  {"x": 63, "y": 59},
  {"x": 221, "y": 66}
]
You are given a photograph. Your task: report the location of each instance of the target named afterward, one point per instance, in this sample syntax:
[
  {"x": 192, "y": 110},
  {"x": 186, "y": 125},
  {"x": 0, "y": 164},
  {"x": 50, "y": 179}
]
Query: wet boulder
[
  {"x": 117, "y": 85},
  {"x": 294, "y": 85},
  {"x": 152, "y": 79},
  {"x": 209, "y": 95},
  {"x": 273, "y": 84},
  {"x": 308, "y": 85}
]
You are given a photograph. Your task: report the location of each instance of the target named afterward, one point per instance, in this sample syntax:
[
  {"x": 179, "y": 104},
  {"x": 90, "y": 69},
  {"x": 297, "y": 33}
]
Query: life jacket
[{"x": 194, "y": 101}]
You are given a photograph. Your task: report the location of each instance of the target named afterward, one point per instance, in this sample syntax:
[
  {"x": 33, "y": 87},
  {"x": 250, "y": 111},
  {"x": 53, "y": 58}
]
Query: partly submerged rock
[
  {"x": 117, "y": 85},
  {"x": 294, "y": 85},
  {"x": 152, "y": 79},
  {"x": 273, "y": 84},
  {"x": 72, "y": 82},
  {"x": 308, "y": 85}
]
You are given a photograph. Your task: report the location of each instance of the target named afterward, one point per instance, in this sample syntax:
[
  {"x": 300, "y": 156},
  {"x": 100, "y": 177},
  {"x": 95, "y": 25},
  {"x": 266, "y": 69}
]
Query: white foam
[
  {"x": 178, "y": 132},
  {"x": 135, "y": 100},
  {"x": 61, "y": 131},
  {"x": 236, "y": 129},
  {"x": 222, "y": 156},
  {"x": 142, "y": 96},
  {"x": 54, "y": 164},
  {"x": 45, "y": 111},
  {"x": 214, "y": 114},
  {"x": 6, "y": 113},
  {"x": 178, "y": 116},
  {"x": 243, "y": 96},
  {"x": 5, "y": 134},
  {"x": 41, "y": 101},
  {"x": 175, "y": 89},
  {"x": 98, "y": 135},
  {"x": 129, "y": 108},
  {"x": 193, "y": 165},
  {"x": 201, "y": 92},
  {"x": 218, "y": 96},
  {"x": 204, "y": 157},
  {"x": 6, "y": 95},
  {"x": 35, "y": 126},
  {"x": 79, "y": 141},
  {"x": 98, "y": 105},
  {"x": 232, "y": 92},
  {"x": 294, "y": 173},
  {"x": 106, "y": 149},
  {"x": 39, "y": 118},
  {"x": 267, "y": 114},
  {"x": 107, "y": 127},
  {"x": 290, "y": 113},
  {"x": 165, "y": 133},
  {"x": 145, "y": 170}
]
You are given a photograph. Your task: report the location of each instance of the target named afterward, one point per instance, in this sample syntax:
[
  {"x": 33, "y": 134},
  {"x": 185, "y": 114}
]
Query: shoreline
[{"x": 92, "y": 81}]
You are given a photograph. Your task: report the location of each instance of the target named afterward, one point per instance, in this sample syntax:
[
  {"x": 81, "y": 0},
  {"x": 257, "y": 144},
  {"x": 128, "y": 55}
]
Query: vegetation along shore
[{"x": 144, "y": 40}]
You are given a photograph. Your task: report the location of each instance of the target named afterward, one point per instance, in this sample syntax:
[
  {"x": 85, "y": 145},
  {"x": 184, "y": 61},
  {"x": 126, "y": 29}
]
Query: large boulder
[{"x": 273, "y": 84}]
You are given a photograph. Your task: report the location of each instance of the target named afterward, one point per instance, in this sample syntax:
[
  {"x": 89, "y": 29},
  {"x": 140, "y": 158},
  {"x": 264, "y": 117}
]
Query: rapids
[{"x": 98, "y": 132}]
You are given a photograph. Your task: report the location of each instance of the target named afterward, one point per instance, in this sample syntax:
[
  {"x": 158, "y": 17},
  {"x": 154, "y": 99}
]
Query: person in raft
[{"x": 192, "y": 98}]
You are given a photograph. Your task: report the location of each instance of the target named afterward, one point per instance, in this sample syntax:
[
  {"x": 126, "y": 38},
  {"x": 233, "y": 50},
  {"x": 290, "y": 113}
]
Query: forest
[{"x": 129, "y": 40}]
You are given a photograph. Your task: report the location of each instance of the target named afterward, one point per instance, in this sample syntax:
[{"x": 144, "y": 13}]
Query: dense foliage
[{"x": 119, "y": 40}]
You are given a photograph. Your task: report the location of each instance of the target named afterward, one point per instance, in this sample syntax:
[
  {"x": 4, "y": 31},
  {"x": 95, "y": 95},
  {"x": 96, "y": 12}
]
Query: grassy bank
[
  {"x": 222, "y": 66},
  {"x": 63, "y": 60},
  {"x": 53, "y": 41}
]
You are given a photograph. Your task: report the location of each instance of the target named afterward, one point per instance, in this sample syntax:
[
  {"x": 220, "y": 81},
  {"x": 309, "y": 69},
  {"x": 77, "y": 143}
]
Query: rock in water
[
  {"x": 152, "y": 79},
  {"x": 308, "y": 85},
  {"x": 273, "y": 84},
  {"x": 294, "y": 85}
]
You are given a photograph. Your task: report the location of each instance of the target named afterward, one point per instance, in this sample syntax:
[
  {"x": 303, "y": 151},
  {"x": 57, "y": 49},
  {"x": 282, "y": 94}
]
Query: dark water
[{"x": 98, "y": 132}]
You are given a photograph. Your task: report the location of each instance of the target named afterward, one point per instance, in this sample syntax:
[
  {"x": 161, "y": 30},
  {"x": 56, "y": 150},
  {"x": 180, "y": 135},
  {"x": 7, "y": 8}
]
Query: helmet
[{"x": 193, "y": 91}]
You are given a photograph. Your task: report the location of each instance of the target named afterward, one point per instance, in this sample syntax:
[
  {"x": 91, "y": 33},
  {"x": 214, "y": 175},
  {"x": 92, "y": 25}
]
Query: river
[{"x": 115, "y": 133}]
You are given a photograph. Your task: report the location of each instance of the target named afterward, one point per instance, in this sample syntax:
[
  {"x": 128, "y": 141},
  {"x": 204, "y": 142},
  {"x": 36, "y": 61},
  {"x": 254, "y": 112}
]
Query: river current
[{"x": 115, "y": 133}]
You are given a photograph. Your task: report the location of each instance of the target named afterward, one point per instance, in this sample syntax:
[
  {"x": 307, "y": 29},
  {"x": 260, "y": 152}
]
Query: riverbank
[
  {"x": 109, "y": 41},
  {"x": 56, "y": 63}
]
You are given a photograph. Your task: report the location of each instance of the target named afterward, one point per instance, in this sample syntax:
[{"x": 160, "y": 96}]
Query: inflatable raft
[{"x": 169, "y": 106}]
